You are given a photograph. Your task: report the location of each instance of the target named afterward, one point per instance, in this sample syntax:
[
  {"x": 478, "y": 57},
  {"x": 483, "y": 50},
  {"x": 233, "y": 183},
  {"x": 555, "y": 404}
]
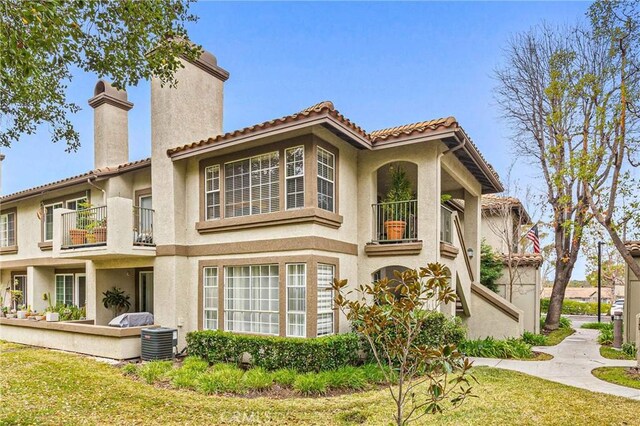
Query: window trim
[
  {"x": 25, "y": 293},
  {"x": 332, "y": 310},
  {"x": 45, "y": 244},
  {"x": 73, "y": 284}
]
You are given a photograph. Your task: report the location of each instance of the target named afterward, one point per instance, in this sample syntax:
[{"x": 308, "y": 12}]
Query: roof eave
[{"x": 325, "y": 120}]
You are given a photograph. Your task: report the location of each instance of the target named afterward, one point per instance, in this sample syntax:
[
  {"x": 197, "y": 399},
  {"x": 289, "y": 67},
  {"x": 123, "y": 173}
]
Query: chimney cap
[{"x": 104, "y": 92}]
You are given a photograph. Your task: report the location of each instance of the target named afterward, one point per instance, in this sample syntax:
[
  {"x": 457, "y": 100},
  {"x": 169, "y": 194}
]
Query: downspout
[{"x": 104, "y": 193}]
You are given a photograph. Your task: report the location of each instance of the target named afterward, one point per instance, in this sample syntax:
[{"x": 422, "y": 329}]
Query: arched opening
[
  {"x": 395, "y": 211},
  {"x": 387, "y": 272}
]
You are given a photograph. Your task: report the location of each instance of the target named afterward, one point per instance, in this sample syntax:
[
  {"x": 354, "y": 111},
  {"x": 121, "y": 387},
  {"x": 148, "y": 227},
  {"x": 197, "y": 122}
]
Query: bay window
[
  {"x": 251, "y": 302},
  {"x": 210, "y": 286},
  {"x": 296, "y": 299},
  {"x": 326, "y": 179},
  {"x": 325, "y": 299}
]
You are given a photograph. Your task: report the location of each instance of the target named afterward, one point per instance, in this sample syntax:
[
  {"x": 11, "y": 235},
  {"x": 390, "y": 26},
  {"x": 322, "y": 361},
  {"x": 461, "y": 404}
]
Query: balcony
[
  {"x": 113, "y": 230},
  {"x": 395, "y": 229}
]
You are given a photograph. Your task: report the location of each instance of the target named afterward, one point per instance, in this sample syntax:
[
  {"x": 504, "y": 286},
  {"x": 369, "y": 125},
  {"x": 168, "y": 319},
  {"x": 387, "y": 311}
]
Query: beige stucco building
[
  {"x": 244, "y": 231},
  {"x": 504, "y": 223}
]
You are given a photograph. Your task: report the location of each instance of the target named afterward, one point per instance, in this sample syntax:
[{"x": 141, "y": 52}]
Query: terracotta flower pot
[
  {"x": 100, "y": 234},
  {"x": 395, "y": 229},
  {"x": 78, "y": 236}
]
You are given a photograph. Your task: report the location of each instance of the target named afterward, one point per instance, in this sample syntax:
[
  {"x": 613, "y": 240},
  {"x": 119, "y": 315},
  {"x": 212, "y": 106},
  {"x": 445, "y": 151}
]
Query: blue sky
[{"x": 382, "y": 64}]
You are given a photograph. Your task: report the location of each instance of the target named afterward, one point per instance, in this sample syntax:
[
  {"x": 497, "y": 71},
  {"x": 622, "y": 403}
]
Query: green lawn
[
  {"x": 617, "y": 375},
  {"x": 51, "y": 388},
  {"x": 610, "y": 353},
  {"x": 557, "y": 336}
]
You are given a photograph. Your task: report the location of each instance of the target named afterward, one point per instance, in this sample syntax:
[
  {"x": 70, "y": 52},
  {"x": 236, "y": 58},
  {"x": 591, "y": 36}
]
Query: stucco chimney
[{"x": 110, "y": 125}]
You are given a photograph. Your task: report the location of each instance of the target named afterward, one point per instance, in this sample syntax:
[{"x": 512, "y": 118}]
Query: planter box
[{"x": 53, "y": 317}]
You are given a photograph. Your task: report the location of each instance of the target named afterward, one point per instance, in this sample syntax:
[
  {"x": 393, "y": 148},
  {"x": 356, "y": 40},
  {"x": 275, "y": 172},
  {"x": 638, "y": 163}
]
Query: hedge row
[
  {"x": 273, "y": 353},
  {"x": 572, "y": 307}
]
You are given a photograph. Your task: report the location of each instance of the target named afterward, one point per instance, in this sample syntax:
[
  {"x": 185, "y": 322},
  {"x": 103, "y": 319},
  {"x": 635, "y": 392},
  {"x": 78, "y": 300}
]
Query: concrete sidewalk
[{"x": 572, "y": 362}]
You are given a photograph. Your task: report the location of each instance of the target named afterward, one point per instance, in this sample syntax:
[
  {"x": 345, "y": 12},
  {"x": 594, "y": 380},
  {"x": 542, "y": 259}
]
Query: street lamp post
[{"x": 600, "y": 243}]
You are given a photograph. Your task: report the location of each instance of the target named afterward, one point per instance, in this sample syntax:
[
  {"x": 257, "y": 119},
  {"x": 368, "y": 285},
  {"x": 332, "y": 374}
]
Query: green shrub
[
  {"x": 606, "y": 335},
  {"x": 534, "y": 339},
  {"x": 153, "y": 371},
  {"x": 284, "y": 377},
  {"x": 492, "y": 348},
  {"x": 630, "y": 349},
  {"x": 311, "y": 384},
  {"x": 564, "y": 322},
  {"x": 491, "y": 268},
  {"x": 195, "y": 363},
  {"x": 595, "y": 325},
  {"x": 373, "y": 373},
  {"x": 130, "y": 369},
  {"x": 438, "y": 330},
  {"x": 185, "y": 378},
  {"x": 258, "y": 379},
  {"x": 273, "y": 353},
  {"x": 572, "y": 307},
  {"x": 223, "y": 378},
  {"x": 345, "y": 378}
]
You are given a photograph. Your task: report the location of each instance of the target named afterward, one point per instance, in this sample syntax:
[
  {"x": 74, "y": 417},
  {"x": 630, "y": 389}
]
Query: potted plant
[
  {"x": 50, "y": 314},
  {"x": 116, "y": 300},
  {"x": 84, "y": 216},
  {"x": 97, "y": 231},
  {"x": 16, "y": 299},
  {"x": 395, "y": 214}
]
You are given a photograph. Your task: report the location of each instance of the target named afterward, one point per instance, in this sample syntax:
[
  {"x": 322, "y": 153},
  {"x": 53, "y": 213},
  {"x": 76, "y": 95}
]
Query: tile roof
[
  {"x": 73, "y": 180},
  {"x": 522, "y": 259},
  {"x": 326, "y": 108},
  {"x": 495, "y": 201},
  {"x": 633, "y": 247}
]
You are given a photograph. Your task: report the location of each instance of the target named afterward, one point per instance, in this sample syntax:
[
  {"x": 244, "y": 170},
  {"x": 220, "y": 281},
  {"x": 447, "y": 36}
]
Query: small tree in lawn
[
  {"x": 116, "y": 300},
  {"x": 391, "y": 314}
]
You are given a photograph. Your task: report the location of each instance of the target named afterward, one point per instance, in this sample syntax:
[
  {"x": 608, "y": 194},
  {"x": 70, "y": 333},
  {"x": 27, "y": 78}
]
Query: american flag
[{"x": 532, "y": 235}]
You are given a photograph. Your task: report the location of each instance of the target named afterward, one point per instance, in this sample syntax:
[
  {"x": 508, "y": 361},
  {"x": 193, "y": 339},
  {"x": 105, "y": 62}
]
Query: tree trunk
[{"x": 560, "y": 282}]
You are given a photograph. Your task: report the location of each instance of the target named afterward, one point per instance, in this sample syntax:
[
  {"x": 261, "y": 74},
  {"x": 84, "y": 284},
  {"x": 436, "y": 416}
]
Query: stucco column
[
  {"x": 429, "y": 204},
  {"x": 40, "y": 280},
  {"x": 472, "y": 238},
  {"x": 92, "y": 290},
  {"x": 187, "y": 113}
]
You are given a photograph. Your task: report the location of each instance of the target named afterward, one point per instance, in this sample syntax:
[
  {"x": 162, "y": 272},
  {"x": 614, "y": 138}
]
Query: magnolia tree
[{"x": 391, "y": 314}]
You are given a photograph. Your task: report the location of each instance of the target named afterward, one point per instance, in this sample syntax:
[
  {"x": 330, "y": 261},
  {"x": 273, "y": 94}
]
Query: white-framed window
[
  {"x": 8, "y": 229},
  {"x": 20, "y": 284},
  {"x": 212, "y": 192},
  {"x": 64, "y": 289},
  {"x": 325, "y": 299},
  {"x": 210, "y": 300},
  {"x": 251, "y": 299},
  {"x": 77, "y": 204},
  {"x": 252, "y": 185},
  {"x": 326, "y": 177},
  {"x": 296, "y": 299},
  {"x": 48, "y": 219},
  {"x": 294, "y": 177}
]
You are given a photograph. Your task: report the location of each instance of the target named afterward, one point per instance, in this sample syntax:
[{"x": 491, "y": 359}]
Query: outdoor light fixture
[{"x": 470, "y": 253}]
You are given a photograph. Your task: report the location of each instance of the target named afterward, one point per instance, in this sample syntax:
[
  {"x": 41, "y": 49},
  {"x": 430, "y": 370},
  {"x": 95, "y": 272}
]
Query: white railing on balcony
[
  {"x": 395, "y": 222},
  {"x": 83, "y": 228},
  {"x": 143, "y": 226},
  {"x": 446, "y": 225}
]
